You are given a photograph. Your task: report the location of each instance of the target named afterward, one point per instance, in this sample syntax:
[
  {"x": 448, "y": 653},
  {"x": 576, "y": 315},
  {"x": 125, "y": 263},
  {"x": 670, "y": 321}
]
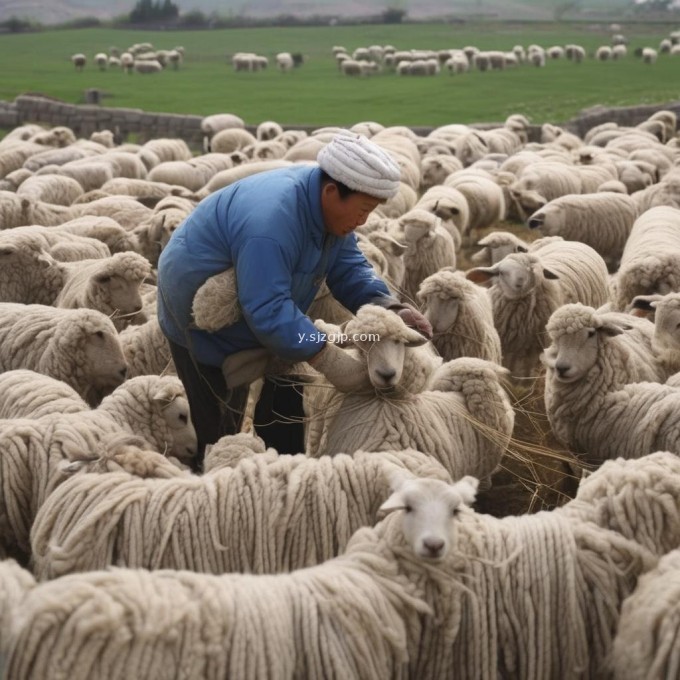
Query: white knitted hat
[{"x": 361, "y": 165}]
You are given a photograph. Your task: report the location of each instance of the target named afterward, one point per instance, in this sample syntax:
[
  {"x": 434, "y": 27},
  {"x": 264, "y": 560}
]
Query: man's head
[{"x": 357, "y": 177}]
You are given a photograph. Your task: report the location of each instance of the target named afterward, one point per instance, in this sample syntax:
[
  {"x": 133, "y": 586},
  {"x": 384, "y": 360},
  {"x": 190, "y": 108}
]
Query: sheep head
[
  {"x": 576, "y": 332},
  {"x": 430, "y": 508}
]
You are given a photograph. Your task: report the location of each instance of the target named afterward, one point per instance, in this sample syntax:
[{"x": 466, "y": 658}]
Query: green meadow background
[{"x": 318, "y": 94}]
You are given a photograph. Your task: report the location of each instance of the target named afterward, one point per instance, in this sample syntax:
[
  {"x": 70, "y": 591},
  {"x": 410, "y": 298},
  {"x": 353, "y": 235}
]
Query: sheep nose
[
  {"x": 535, "y": 223},
  {"x": 434, "y": 546},
  {"x": 387, "y": 375},
  {"x": 123, "y": 373},
  {"x": 562, "y": 369}
]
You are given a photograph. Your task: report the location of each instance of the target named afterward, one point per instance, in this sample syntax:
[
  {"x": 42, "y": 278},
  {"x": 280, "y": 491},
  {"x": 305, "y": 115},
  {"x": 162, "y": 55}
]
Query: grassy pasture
[{"x": 318, "y": 94}]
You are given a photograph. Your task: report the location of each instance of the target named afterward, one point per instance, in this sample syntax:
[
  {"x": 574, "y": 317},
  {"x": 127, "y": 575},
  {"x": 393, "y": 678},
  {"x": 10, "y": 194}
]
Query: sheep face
[
  {"x": 385, "y": 359},
  {"x": 103, "y": 359},
  {"x": 121, "y": 294},
  {"x": 550, "y": 220},
  {"x": 441, "y": 311},
  {"x": 573, "y": 354},
  {"x": 430, "y": 508},
  {"x": 516, "y": 275},
  {"x": 182, "y": 435},
  {"x": 667, "y": 324}
]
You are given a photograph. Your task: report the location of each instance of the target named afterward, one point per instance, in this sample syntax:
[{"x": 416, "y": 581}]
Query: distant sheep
[{"x": 79, "y": 60}]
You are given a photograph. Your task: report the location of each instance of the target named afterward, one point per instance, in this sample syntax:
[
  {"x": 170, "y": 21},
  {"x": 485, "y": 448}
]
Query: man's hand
[{"x": 414, "y": 319}]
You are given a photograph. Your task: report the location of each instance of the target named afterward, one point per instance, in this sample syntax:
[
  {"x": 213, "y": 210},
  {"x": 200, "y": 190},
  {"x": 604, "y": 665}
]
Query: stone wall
[{"x": 85, "y": 119}]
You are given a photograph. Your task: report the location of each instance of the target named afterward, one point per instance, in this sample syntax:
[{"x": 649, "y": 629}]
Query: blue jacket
[{"x": 270, "y": 228}]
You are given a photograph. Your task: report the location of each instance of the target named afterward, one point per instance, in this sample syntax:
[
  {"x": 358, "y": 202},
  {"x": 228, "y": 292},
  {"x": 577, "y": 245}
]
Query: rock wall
[{"x": 86, "y": 119}]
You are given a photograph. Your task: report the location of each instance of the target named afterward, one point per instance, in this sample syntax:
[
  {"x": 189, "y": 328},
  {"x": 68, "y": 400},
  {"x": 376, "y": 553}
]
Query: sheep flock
[{"x": 403, "y": 541}]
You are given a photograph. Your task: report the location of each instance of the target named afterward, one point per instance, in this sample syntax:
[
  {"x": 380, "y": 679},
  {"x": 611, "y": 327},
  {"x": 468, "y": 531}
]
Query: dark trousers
[{"x": 217, "y": 411}]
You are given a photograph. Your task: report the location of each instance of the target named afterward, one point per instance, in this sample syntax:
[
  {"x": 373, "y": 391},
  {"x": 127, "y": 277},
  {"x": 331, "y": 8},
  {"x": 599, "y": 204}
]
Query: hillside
[{"x": 57, "y": 11}]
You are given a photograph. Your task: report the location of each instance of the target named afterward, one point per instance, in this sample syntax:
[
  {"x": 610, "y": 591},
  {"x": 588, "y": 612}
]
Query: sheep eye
[
  {"x": 455, "y": 512},
  {"x": 591, "y": 332},
  {"x": 100, "y": 334},
  {"x": 104, "y": 279},
  {"x": 183, "y": 418},
  {"x": 407, "y": 508}
]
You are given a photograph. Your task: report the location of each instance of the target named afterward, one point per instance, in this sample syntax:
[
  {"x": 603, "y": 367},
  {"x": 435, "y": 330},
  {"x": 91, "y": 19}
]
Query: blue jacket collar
[{"x": 319, "y": 230}]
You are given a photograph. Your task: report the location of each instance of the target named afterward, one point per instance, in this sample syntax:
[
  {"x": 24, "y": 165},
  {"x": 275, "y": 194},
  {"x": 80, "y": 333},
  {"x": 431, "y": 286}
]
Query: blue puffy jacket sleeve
[
  {"x": 270, "y": 312},
  {"x": 352, "y": 279}
]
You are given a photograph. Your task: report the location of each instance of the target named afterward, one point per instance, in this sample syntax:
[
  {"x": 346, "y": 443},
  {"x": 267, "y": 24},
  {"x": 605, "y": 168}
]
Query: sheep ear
[
  {"x": 481, "y": 274},
  {"x": 646, "y": 302},
  {"x": 8, "y": 250},
  {"x": 522, "y": 249},
  {"x": 102, "y": 278},
  {"x": 610, "y": 329},
  {"x": 550, "y": 275},
  {"x": 417, "y": 342},
  {"x": 165, "y": 394},
  {"x": 394, "y": 502},
  {"x": 467, "y": 488}
]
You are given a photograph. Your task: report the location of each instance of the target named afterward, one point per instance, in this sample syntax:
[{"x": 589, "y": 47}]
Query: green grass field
[{"x": 317, "y": 94}]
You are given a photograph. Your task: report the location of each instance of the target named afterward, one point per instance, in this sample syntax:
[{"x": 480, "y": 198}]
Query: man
[{"x": 284, "y": 232}]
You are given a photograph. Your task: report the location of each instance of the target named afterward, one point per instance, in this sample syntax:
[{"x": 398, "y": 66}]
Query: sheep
[
  {"x": 79, "y": 60},
  {"x": 231, "y": 175},
  {"x": 144, "y": 190},
  {"x": 146, "y": 349},
  {"x": 110, "y": 285},
  {"x": 152, "y": 407},
  {"x": 78, "y": 346},
  {"x": 451, "y": 206},
  {"x": 666, "y": 340},
  {"x": 14, "y": 180},
  {"x": 284, "y": 61},
  {"x": 603, "y": 53},
  {"x": 61, "y": 245},
  {"x": 102, "y": 60},
  {"x": 429, "y": 247},
  {"x": 649, "y": 55},
  {"x": 314, "y": 506},
  {"x": 646, "y": 642},
  {"x": 104, "y": 229},
  {"x": 16, "y": 211},
  {"x": 461, "y": 317},
  {"x": 50, "y": 189},
  {"x": 464, "y": 434},
  {"x": 27, "y": 394},
  {"x": 529, "y": 287},
  {"x": 596, "y": 397},
  {"x": 496, "y": 245},
  {"x": 192, "y": 174},
  {"x": 231, "y": 139},
  {"x": 91, "y": 175},
  {"x": 650, "y": 262},
  {"x": 485, "y": 199},
  {"x": 364, "y": 610},
  {"x": 602, "y": 221},
  {"x": 663, "y": 193},
  {"x": 125, "y": 210},
  {"x": 150, "y": 66}
]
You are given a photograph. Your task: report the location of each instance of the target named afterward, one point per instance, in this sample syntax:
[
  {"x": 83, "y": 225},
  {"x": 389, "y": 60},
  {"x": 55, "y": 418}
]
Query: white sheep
[
  {"x": 110, "y": 285},
  {"x": 79, "y": 60},
  {"x": 461, "y": 317},
  {"x": 528, "y": 287},
  {"x": 306, "y": 511},
  {"x": 147, "y": 66},
  {"x": 62, "y": 244},
  {"x": 496, "y": 245},
  {"x": 485, "y": 199},
  {"x": 450, "y": 205},
  {"x": 595, "y": 400},
  {"x": 650, "y": 262},
  {"x": 151, "y": 407},
  {"x": 78, "y": 346},
  {"x": 646, "y": 642},
  {"x": 429, "y": 247},
  {"x": 16, "y": 211},
  {"x": 56, "y": 189},
  {"x": 459, "y": 413},
  {"x": 366, "y": 614},
  {"x": 27, "y": 394},
  {"x": 666, "y": 340},
  {"x": 230, "y": 175},
  {"x": 104, "y": 229},
  {"x": 602, "y": 221},
  {"x": 284, "y": 61},
  {"x": 146, "y": 349}
]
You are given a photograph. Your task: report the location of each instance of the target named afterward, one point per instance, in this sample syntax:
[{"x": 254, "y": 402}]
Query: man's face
[{"x": 343, "y": 216}]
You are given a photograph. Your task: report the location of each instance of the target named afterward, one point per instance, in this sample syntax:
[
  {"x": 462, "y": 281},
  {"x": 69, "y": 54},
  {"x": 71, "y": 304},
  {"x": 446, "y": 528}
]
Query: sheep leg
[{"x": 254, "y": 392}]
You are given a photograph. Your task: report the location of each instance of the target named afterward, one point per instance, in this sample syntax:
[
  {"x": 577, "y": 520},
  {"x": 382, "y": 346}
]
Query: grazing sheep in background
[
  {"x": 649, "y": 55},
  {"x": 365, "y": 611},
  {"x": 79, "y": 60},
  {"x": 231, "y": 175},
  {"x": 646, "y": 642},
  {"x": 461, "y": 317},
  {"x": 27, "y": 394},
  {"x": 650, "y": 262},
  {"x": 102, "y": 60},
  {"x": 78, "y": 346},
  {"x": 150, "y": 66},
  {"x": 104, "y": 229},
  {"x": 151, "y": 407},
  {"x": 56, "y": 189},
  {"x": 666, "y": 340},
  {"x": 284, "y": 62},
  {"x": 595, "y": 399},
  {"x": 528, "y": 287},
  {"x": 602, "y": 221},
  {"x": 485, "y": 199},
  {"x": 125, "y": 210},
  {"x": 313, "y": 508},
  {"x": 435, "y": 168},
  {"x": 110, "y": 285},
  {"x": 450, "y": 205}
]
